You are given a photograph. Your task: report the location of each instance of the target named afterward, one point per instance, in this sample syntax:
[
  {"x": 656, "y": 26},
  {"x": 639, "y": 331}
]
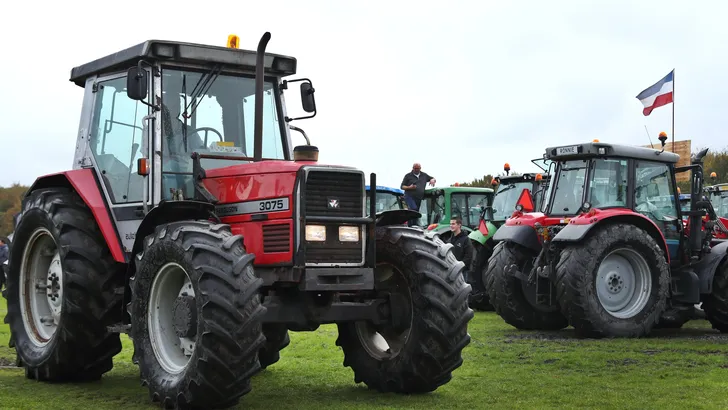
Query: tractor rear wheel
[
  {"x": 196, "y": 315},
  {"x": 478, "y": 298},
  {"x": 61, "y": 290},
  {"x": 614, "y": 283},
  {"x": 419, "y": 349},
  {"x": 715, "y": 304},
  {"x": 513, "y": 299}
]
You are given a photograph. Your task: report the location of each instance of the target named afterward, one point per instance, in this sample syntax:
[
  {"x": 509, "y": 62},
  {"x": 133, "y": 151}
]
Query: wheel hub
[
  {"x": 185, "y": 316},
  {"x": 615, "y": 284},
  {"x": 623, "y": 283}
]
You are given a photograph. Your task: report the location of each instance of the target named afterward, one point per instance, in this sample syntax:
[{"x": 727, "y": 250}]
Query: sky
[{"x": 460, "y": 87}]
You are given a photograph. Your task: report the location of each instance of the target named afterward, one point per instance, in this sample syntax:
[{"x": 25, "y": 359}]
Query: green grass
[{"x": 504, "y": 368}]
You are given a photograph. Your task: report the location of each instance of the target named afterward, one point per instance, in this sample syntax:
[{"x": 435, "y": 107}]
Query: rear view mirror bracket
[{"x": 307, "y": 98}]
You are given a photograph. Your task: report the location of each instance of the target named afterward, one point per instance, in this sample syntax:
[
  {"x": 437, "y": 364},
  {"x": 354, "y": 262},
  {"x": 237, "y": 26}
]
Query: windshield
[
  {"x": 385, "y": 201},
  {"x": 432, "y": 209},
  {"x": 608, "y": 183},
  {"x": 506, "y": 197},
  {"x": 221, "y": 121},
  {"x": 568, "y": 188},
  {"x": 720, "y": 203},
  {"x": 468, "y": 207}
]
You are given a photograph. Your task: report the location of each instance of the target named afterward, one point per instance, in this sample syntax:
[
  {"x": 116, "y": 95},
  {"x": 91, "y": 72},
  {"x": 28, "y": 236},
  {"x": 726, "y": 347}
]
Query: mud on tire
[
  {"x": 424, "y": 271},
  {"x": 211, "y": 307},
  {"x": 579, "y": 283},
  {"x": 58, "y": 238},
  {"x": 507, "y": 291}
]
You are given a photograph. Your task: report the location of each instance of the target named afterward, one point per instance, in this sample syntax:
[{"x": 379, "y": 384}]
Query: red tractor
[
  {"x": 609, "y": 255},
  {"x": 190, "y": 222}
]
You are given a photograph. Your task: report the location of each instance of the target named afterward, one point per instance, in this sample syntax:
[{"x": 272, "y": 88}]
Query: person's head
[
  {"x": 2, "y": 241},
  {"x": 456, "y": 224},
  {"x": 416, "y": 167}
]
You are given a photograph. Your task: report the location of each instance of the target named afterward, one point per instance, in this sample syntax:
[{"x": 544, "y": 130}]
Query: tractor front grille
[{"x": 334, "y": 194}]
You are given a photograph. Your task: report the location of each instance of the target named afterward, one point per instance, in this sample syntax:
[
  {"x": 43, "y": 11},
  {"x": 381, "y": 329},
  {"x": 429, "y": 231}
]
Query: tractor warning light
[
  {"x": 539, "y": 177},
  {"x": 233, "y": 41}
]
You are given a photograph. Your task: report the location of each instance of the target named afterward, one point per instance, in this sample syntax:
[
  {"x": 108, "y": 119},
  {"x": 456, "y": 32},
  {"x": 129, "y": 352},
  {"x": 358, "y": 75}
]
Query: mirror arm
[
  {"x": 155, "y": 73},
  {"x": 284, "y": 86}
]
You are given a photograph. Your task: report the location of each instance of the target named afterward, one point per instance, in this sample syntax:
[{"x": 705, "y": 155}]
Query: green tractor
[
  {"x": 508, "y": 190},
  {"x": 440, "y": 204}
]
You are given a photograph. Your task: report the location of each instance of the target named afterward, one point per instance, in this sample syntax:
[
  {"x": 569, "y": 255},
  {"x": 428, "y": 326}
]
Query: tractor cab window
[
  {"x": 385, "y": 201},
  {"x": 608, "y": 183},
  {"x": 220, "y": 120},
  {"x": 506, "y": 197},
  {"x": 117, "y": 140},
  {"x": 568, "y": 188},
  {"x": 467, "y": 207},
  {"x": 654, "y": 196},
  {"x": 719, "y": 199},
  {"x": 432, "y": 209}
]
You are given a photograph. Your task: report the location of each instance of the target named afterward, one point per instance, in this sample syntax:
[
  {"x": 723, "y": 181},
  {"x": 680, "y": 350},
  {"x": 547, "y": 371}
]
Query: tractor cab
[
  {"x": 509, "y": 189},
  {"x": 718, "y": 197}
]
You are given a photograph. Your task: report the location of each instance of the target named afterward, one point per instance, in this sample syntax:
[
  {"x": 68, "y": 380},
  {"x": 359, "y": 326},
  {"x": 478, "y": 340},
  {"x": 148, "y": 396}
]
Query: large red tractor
[
  {"x": 609, "y": 255},
  {"x": 190, "y": 222}
]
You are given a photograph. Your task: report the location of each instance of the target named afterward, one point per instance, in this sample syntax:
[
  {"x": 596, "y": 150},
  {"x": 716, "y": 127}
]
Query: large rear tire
[
  {"x": 614, "y": 283},
  {"x": 715, "y": 304},
  {"x": 512, "y": 298},
  {"x": 419, "y": 352},
  {"x": 196, "y": 315},
  {"x": 479, "y": 299},
  {"x": 61, "y": 290}
]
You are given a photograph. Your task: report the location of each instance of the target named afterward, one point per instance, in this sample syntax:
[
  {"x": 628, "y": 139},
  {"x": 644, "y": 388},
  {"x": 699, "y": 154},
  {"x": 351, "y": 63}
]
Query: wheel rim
[
  {"x": 171, "y": 299},
  {"x": 41, "y": 287},
  {"x": 623, "y": 283},
  {"x": 385, "y": 341}
]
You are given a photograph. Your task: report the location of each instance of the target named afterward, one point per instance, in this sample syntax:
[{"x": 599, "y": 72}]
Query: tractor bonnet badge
[{"x": 333, "y": 203}]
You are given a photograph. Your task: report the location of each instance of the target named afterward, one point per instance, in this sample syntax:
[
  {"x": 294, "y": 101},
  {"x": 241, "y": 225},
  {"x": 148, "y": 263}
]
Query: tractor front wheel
[
  {"x": 196, "y": 315},
  {"x": 61, "y": 290},
  {"x": 513, "y": 298},
  {"x": 613, "y": 284},
  {"x": 418, "y": 351}
]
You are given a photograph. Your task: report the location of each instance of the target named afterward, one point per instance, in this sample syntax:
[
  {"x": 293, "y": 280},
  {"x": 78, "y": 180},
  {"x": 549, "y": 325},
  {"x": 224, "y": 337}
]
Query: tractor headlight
[
  {"x": 316, "y": 233},
  {"x": 349, "y": 233}
]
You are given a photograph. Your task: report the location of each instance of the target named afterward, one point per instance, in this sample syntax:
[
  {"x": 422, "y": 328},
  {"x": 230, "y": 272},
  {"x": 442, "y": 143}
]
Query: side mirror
[
  {"x": 137, "y": 84},
  {"x": 307, "y": 100}
]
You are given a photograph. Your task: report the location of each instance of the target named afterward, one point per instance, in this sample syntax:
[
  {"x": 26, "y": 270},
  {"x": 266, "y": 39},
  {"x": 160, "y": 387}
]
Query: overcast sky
[{"x": 461, "y": 87}]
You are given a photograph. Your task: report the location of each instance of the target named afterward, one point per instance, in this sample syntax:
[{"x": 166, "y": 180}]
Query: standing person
[
  {"x": 462, "y": 247},
  {"x": 3, "y": 259},
  {"x": 413, "y": 186}
]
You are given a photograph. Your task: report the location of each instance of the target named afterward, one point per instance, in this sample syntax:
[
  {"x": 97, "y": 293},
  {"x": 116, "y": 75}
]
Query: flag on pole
[{"x": 657, "y": 95}]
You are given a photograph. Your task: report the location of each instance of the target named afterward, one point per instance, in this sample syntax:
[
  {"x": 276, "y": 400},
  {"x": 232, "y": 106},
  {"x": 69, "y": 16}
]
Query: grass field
[{"x": 504, "y": 368}]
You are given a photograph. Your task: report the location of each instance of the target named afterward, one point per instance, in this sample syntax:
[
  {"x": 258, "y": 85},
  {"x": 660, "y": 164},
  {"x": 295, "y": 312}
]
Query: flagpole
[{"x": 673, "y": 110}]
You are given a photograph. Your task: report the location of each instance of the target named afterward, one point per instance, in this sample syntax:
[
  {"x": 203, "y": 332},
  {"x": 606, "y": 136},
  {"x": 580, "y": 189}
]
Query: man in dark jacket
[
  {"x": 3, "y": 258},
  {"x": 462, "y": 247},
  {"x": 413, "y": 185}
]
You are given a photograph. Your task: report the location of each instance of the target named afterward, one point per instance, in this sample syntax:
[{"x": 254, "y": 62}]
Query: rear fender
[
  {"x": 524, "y": 235},
  {"x": 579, "y": 226},
  {"x": 396, "y": 217},
  {"x": 708, "y": 265},
  {"x": 86, "y": 185}
]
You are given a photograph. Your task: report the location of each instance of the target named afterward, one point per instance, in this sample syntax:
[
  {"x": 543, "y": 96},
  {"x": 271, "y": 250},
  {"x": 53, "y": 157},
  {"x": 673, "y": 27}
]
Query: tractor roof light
[
  {"x": 507, "y": 168},
  {"x": 713, "y": 175},
  {"x": 233, "y": 41},
  {"x": 539, "y": 177}
]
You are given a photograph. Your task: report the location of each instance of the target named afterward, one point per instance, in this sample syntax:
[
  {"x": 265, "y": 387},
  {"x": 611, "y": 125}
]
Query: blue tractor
[{"x": 387, "y": 199}]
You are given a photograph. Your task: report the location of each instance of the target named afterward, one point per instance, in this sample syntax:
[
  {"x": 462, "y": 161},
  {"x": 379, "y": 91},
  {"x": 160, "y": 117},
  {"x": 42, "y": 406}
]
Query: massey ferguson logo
[{"x": 333, "y": 203}]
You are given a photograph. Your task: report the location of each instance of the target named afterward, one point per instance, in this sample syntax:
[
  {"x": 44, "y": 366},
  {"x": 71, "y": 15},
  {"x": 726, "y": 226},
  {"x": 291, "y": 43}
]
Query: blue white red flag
[{"x": 657, "y": 95}]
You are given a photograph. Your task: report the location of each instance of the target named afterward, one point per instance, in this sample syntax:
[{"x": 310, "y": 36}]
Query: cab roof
[
  {"x": 591, "y": 149},
  {"x": 528, "y": 176},
  {"x": 475, "y": 190},
  {"x": 179, "y": 52}
]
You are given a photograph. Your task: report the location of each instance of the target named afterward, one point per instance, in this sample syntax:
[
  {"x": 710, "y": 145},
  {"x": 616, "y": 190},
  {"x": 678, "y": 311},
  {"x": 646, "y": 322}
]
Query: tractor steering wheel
[{"x": 207, "y": 130}]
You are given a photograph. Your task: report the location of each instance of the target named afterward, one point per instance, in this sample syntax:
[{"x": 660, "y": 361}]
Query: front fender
[
  {"x": 396, "y": 217},
  {"x": 523, "y": 235},
  {"x": 706, "y": 267},
  {"x": 478, "y": 236}
]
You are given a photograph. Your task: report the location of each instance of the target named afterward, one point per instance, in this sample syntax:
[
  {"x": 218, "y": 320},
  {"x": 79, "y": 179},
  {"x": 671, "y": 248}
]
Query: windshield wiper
[{"x": 209, "y": 79}]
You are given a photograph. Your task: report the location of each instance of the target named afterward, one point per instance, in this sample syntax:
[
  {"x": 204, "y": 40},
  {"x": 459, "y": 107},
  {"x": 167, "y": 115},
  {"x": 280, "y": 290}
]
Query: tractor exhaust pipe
[{"x": 259, "y": 80}]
